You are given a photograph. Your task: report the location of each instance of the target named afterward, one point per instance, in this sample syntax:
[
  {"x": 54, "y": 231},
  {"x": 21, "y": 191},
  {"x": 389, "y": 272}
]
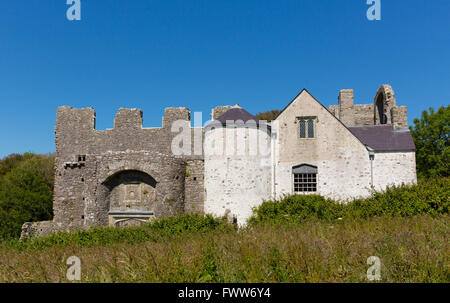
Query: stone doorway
[{"x": 132, "y": 197}]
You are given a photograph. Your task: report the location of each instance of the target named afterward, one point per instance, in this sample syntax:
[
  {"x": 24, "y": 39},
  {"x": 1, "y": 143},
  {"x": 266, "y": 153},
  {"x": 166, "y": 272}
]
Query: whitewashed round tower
[{"x": 237, "y": 165}]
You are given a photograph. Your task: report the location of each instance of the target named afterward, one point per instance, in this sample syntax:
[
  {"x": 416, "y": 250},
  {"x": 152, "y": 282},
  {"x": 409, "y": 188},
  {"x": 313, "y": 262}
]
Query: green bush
[
  {"x": 429, "y": 197},
  {"x": 158, "y": 230},
  {"x": 297, "y": 208}
]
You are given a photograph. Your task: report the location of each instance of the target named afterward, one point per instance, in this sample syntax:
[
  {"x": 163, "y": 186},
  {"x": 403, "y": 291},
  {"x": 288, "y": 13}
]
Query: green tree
[
  {"x": 26, "y": 192},
  {"x": 431, "y": 136}
]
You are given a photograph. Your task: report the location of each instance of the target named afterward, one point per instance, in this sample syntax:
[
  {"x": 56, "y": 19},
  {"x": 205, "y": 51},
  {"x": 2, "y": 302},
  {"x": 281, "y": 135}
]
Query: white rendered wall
[
  {"x": 394, "y": 168},
  {"x": 236, "y": 182}
]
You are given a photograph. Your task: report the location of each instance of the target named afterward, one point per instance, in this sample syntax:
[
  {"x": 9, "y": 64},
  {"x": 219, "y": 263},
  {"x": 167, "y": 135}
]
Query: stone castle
[{"x": 129, "y": 174}]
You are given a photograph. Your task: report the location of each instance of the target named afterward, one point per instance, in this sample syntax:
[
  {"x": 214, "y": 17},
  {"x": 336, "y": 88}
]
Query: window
[
  {"x": 81, "y": 158},
  {"x": 306, "y": 127},
  {"x": 305, "y": 178},
  {"x": 302, "y": 128}
]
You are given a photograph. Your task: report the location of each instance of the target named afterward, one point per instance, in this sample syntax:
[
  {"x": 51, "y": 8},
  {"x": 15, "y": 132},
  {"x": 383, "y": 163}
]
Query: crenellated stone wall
[{"x": 125, "y": 170}]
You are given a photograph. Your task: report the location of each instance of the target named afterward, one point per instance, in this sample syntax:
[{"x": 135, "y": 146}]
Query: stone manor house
[{"x": 130, "y": 174}]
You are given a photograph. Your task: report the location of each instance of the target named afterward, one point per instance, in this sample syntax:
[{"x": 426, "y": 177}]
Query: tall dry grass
[{"x": 411, "y": 249}]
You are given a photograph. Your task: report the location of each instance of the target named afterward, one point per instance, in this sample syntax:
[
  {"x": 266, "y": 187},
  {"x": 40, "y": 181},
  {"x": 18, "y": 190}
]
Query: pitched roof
[
  {"x": 324, "y": 107},
  {"x": 384, "y": 137},
  {"x": 237, "y": 114}
]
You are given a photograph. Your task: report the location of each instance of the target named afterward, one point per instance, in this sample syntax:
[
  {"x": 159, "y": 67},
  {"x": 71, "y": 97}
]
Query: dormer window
[{"x": 307, "y": 127}]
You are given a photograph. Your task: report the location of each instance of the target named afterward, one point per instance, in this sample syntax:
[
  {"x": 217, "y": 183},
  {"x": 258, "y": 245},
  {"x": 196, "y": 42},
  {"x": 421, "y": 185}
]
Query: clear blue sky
[{"x": 157, "y": 53}]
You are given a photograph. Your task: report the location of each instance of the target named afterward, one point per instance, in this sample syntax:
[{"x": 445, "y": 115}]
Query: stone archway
[
  {"x": 384, "y": 102},
  {"x": 131, "y": 196}
]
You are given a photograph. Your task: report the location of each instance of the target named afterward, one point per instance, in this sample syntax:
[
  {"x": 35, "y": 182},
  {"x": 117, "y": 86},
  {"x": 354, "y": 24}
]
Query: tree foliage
[
  {"x": 268, "y": 115},
  {"x": 26, "y": 191},
  {"x": 431, "y": 136}
]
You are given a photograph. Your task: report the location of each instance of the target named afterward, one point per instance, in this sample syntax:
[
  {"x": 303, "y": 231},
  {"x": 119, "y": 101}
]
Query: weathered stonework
[
  {"x": 102, "y": 175},
  {"x": 219, "y": 110},
  {"x": 194, "y": 186}
]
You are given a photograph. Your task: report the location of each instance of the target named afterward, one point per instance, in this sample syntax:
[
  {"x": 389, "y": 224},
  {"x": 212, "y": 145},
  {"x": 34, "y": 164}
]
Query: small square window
[{"x": 305, "y": 183}]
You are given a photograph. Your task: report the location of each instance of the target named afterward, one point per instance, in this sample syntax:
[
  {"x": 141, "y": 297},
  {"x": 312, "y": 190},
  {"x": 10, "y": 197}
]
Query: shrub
[
  {"x": 297, "y": 208},
  {"x": 428, "y": 197}
]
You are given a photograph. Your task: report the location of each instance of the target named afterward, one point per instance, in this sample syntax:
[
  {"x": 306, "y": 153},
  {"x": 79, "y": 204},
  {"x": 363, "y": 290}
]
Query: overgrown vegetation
[
  {"x": 411, "y": 249},
  {"x": 26, "y": 191},
  {"x": 431, "y": 197},
  {"x": 160, "y": 230},
  {"x": 297, "y": 239}
]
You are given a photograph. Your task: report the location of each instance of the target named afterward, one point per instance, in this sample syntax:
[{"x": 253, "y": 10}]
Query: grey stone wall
[
  {"x": 399, "y": 116},
  {"x": 194, "y": 188},
  {"x": 345, "y": 100}
]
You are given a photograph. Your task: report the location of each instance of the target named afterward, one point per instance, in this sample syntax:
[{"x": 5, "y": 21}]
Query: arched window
[
  {"x": 304, "y": 178},
  {"x": 381, "y": 116}
]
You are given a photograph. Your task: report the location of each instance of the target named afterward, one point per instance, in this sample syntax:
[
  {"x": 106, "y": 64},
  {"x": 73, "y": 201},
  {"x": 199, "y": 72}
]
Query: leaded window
[{"x": 307, "y": 127}]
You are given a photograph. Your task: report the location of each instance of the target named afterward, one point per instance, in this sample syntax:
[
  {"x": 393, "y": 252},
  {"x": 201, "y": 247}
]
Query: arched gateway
[{"x": 131, "y": 195}]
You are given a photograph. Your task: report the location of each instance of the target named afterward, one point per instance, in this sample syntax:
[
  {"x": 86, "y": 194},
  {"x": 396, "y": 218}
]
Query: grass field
[
  {"x": 297, "y": 239},
  {"x": 412, "y": 249}
]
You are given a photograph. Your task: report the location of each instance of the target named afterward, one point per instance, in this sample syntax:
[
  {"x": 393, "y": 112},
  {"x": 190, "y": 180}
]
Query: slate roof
[
  {"x": 235, "y": 114},
  {"x": 384, "y": 137}
]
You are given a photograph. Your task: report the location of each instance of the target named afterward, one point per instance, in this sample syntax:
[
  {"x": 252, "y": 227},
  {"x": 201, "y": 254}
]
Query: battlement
[
  {"x": 219, "y": 110},
  {"x": 128, "y": 118},
  {"x": 79, "y": 119},
  {"x": 75, "y": 132},
  {"x": 172, "y": 114},
  {"x": 83, "y": 119}
]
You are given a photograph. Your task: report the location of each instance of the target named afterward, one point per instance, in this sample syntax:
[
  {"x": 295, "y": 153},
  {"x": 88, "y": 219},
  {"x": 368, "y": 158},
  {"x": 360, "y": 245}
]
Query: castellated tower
[
  {"x": 121, "y": 176},
  {"x": 237, "y": 164}
]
